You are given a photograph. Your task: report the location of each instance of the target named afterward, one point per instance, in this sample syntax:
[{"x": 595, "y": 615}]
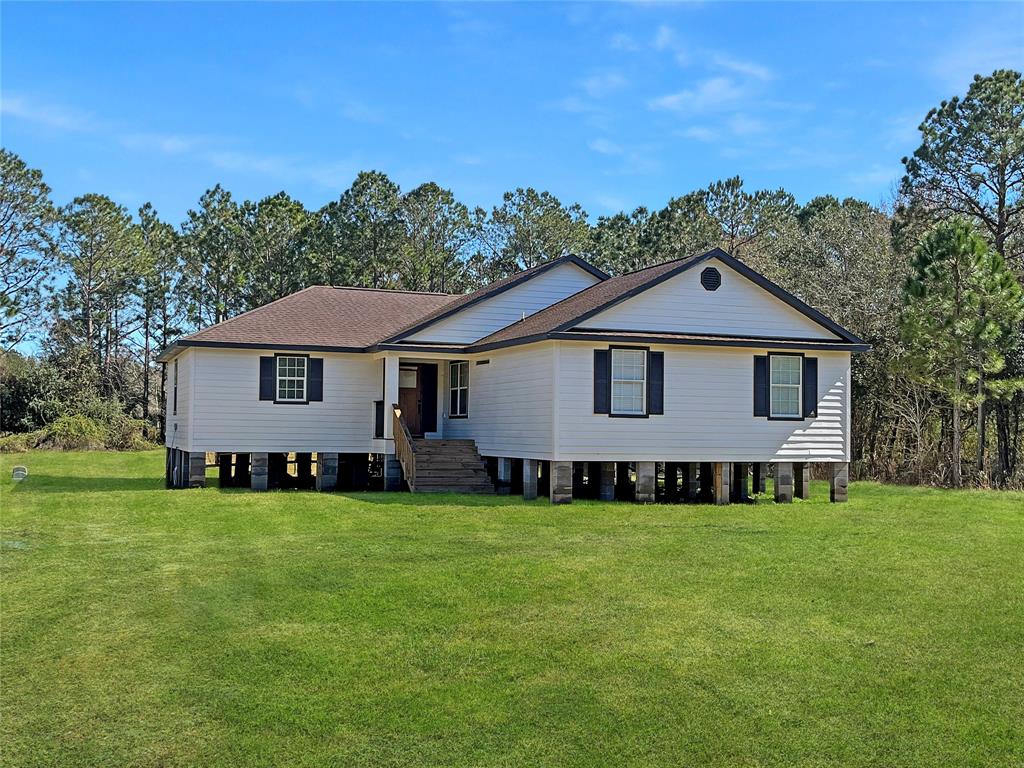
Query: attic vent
[{"x": 711, "y": 279}]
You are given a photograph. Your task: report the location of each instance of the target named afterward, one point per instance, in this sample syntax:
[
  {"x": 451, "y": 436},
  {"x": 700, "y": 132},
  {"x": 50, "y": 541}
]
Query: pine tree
[{"x": 962, "y": 309}]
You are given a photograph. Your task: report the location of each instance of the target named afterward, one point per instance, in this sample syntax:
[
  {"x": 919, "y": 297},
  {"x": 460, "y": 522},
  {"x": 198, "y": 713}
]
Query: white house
[{"x": 678, "y": 381}]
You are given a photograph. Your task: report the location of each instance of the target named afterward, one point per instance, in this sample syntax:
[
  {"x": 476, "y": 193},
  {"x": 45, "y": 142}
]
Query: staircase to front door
[
  {"x": 439, "y": 466},
  {"x": 449, "y": 466}
]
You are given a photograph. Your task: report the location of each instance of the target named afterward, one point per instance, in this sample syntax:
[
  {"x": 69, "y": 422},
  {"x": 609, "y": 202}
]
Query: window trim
[
  {"x": 611, "y": 382},
  {"x": 277, "y": 380},
  {"x": 174, "y": 409},
  {"x": 465, "y": 415},
  {"x": 800, "y": 388}
]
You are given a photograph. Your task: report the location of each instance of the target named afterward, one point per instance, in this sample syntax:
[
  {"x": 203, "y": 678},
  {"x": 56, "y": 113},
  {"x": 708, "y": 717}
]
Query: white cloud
[
  {"x": 980, "y": 51},
  {"x": 875, "y": 176},
  {"x": 605, "y": 147},
  {"x": 744, "y": 125},
  {"x": 700, "y": 133},
  {"x": 468, "y": 159},
  {"x": 358, "y": 112},
  {"x": 709, "y": 95},
  {"x": 611, "y": 203},
  {"x": 748, "y": 68},
  {"x": 599, "y": 86},
  {"x": 50, "y": 115},
  {"x": 231, "y": 160},
  {"x": 664, "y": 38},
  {"x": 623, "y": 42},
  {"x": 573, "y": 105},
  {"x": 168, "y": 144}
]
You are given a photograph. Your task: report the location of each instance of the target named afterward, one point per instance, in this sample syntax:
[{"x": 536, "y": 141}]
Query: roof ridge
[{"x": 380, "y": 290}]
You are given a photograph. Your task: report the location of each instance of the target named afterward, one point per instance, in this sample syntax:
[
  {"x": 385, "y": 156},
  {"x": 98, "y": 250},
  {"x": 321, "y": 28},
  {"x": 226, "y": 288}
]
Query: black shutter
[
  {"x": 656, "y": 383},
  {"x": 760, "y": 385},
  {"x": 315, "y": 380},
  {"x": 602, "y": 381},
  {"x": 428, "y": 396},
  {"x": 810, "y": 386},
  {"x": 267, "y": 383}
]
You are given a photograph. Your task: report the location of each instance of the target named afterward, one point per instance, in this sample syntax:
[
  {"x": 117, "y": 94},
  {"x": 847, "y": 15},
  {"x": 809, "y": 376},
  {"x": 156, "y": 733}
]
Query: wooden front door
[
  {"x": 409, "y": 399},
  {"x": 417, "y": 396}
]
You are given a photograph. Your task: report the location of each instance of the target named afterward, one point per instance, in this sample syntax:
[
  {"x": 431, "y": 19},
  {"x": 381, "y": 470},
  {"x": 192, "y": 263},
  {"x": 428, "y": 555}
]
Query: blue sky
[{"x": 612, "y": 106}]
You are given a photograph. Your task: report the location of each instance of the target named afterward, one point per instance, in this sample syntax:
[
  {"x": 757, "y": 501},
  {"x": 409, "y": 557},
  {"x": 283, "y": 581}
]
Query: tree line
[{"x": 931, "y": 280}]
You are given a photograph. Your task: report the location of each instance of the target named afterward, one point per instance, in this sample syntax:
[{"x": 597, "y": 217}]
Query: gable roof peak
[{"x": 467, "y": 300}]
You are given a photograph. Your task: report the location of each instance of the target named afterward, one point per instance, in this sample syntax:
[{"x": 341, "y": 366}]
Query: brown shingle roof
[{"x": 324, "y": 316}]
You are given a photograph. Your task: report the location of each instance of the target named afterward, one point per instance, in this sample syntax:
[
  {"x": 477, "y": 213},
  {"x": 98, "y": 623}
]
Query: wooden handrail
[{"x": 405, "y": 449}]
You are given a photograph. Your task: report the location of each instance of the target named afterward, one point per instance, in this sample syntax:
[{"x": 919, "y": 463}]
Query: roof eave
[{"x": 721, "y": 341}]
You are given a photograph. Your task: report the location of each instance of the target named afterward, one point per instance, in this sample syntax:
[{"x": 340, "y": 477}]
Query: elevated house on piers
[{"x": 682, "y": 381}]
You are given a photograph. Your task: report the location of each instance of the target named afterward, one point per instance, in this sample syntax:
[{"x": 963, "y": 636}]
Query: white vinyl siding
[
  {"x": 786, "y": 374},
  {"x": 708, "y": 412},
  {"x": 512, "y": 400},
  {"x": 178, "y": 391},
  {"x": 738, "y": 308},
  {"x": 490, "y": 315},
  {"x": 629, "y": 382},
  {"x": 229, "y": 416},
  {"x": 291, "y": 378}
]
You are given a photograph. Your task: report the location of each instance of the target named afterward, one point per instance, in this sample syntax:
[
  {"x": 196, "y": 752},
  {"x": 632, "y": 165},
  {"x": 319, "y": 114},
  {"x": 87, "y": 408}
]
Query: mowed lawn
[{"x": 149, "y": 627}]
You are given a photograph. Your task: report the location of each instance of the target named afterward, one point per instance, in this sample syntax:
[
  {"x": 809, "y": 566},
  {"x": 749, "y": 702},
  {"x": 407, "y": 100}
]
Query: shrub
[
  {"x": 127, "y": 434},
  {"x": 20, "y": 442},
  {"x": 75, "y": 433}
]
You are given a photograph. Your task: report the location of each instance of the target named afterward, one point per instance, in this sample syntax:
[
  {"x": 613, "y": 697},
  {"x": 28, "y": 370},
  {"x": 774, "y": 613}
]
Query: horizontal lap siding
[
  {"x": 510, "y": 403},
  {"x": 708, "y": 412},
  {"x": 229, "y": 416},
  {"x": 737, "y": 308},
  {"x": 490, "y": 315},
  {"x": 177, "y": 427}
]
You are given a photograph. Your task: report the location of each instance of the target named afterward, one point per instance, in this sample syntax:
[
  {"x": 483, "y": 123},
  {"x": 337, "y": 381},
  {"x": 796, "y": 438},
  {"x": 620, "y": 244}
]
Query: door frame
[{"x": 426, "y": 396}]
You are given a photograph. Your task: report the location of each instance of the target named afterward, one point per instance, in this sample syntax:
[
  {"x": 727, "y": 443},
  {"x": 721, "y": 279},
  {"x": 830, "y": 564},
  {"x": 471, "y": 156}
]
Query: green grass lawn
[{"x": 142, "y": 626}]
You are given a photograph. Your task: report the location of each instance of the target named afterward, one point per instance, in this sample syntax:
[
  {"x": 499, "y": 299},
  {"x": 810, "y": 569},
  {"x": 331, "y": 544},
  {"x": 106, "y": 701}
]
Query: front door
[
  {"x": 409, "y": 399},
  {"x": 417, "y": 396}
]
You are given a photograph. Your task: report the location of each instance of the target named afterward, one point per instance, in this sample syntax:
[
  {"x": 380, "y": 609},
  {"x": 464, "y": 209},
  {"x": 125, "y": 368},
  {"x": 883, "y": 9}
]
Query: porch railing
[{"x": 405, "y": 449}]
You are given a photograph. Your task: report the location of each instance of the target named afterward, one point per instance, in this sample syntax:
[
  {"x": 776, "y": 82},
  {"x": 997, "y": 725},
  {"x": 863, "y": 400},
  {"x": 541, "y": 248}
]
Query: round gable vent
[{"x": 711, "y": 278}]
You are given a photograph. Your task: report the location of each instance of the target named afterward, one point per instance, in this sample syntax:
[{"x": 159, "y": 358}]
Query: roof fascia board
[
  {"x": 485, "y": 294},
  {"x": 260, "y": 345},
  {"x": 721, "y": 341},
  {"x": 789, "y": 298},
  {"x": 738, "y": 266},
  {"x": 636, "y": 290}
]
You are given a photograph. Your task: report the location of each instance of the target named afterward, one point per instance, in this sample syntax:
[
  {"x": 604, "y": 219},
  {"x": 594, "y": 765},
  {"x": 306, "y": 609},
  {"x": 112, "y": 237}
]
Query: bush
[
  {"x": 21, "y": 442},
  {"x": 127, "y": 434},
  {"x": 75, "y": 433}
]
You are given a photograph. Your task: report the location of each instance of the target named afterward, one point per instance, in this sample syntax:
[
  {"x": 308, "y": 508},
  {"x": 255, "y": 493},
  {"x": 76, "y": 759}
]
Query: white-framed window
[
  {"x": 458, "y": 389},
  {"x": 786, "y": 384},
  {"x": 174, "y": 412},
  {"x": 291, "y": 378},
  {"x": 629, "y": 382}
]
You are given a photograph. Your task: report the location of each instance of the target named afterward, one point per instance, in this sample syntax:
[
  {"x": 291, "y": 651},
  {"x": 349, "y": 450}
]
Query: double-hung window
[
  {"x": 458, "y": 389},
  {"x": 291, "y": 379},
  {"x": 786, "y": 382},
  {"x": 629, "y": 382}
]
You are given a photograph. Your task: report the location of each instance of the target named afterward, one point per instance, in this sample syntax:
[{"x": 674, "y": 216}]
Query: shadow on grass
[
  {"x": 66, "y": 484},
  {"x": 407, "y": 499}
]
